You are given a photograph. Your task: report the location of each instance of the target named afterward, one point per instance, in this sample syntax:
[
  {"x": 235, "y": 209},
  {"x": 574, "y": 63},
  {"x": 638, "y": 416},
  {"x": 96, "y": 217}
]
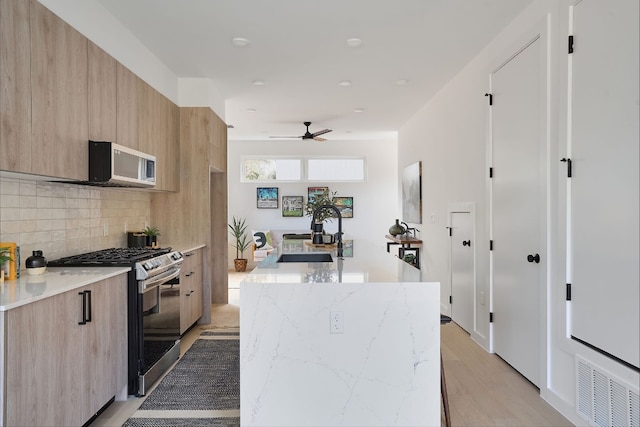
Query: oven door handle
[{"x": 158, "y": 280}]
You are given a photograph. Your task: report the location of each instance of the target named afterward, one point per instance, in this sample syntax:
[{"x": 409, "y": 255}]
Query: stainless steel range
[{"x": 153, "y": 315}]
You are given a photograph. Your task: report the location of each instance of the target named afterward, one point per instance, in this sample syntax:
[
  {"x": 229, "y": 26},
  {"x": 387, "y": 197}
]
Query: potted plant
[
  {"x": 4, "y": 258},
  {"x": 152, "y": 234},
  {"x": 238, "y": 229},
  {"x": 317, "y": 201},
  {"x": 322, "y": 215}
]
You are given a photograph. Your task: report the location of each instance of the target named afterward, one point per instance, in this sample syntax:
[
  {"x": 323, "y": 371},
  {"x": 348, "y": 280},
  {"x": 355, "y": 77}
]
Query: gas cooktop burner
[{"x": 111, "y": 256}]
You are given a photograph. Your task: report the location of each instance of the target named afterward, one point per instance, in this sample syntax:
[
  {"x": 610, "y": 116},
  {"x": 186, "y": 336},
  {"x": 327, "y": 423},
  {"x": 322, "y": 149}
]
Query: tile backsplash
[{"x": 68, "y": 219}]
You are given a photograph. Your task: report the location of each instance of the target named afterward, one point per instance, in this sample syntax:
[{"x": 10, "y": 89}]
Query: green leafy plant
[
  {"x": 151, "y": 231},
  {"x": 238, "y": 229},
  {"x": 4, "y": 256},
  {"x": 317, "y": 201}
]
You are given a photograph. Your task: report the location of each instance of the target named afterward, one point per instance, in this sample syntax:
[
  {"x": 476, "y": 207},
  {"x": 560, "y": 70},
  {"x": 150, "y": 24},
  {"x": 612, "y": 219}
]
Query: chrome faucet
[{"x": 337, "y": 211}]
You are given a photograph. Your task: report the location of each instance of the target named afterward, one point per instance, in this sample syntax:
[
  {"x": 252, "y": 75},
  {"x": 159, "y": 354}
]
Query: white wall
[
  {"x": 450, "y": 135},
  {"x": 375, "y": 201}
]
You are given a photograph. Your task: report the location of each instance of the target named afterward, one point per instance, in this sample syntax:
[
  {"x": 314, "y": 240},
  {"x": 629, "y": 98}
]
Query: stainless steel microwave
[{"x": 111, "y": 164}]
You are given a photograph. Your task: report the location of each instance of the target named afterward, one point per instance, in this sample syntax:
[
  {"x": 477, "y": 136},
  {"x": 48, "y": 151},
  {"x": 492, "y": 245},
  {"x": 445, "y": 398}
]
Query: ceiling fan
[{"x": 308, "y": 135}]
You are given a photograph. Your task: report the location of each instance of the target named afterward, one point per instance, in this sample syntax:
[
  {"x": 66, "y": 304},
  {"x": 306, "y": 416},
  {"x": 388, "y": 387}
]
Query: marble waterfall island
[{"x": 353, "y": 342}]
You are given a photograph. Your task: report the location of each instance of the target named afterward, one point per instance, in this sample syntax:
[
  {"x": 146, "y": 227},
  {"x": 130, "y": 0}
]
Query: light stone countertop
[
  {"x": 55, "y": 280},
  {"x": 351, "y": 342},
  {"x": 363, "y": 262}
]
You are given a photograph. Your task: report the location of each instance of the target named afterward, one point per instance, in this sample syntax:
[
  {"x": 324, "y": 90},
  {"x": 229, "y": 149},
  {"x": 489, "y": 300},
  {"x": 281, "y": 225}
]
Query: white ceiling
[{"x": 298, "y": 49}]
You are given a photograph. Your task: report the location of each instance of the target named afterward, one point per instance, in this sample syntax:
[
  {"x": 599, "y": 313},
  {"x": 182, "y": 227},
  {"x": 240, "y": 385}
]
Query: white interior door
[
  {"x": 462, "y": 285},
  {"x": 518, "y": 205},
  {"x": 605, "y": 184}
]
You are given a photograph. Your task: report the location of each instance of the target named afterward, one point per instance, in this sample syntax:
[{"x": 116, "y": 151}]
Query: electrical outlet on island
[{"x": 336, "y": 322}]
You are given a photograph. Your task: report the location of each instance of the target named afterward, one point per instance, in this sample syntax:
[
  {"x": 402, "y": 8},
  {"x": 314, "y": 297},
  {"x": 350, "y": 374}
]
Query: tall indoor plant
[{"x": 238, "y": 229}]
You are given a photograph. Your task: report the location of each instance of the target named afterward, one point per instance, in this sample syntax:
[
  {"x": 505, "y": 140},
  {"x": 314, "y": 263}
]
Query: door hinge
[
  {"x": 490, "y": 98},
  {"x": 490, "y": 245},
  {"x": 568, "y": 291},
  {"x": 570, "y": 44},
  {"x": 450, "y": 299},
  {"x": 490, "y": 172},
  {"x": 569, "y": 166},
  {"x": 491, "y": 317}
]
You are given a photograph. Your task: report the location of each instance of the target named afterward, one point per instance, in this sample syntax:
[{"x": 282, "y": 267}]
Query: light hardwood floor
[{"x": 483, "y": 389}]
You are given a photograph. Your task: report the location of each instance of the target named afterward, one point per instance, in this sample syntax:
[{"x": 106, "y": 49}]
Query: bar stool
[{"x": 443, "y": 385}]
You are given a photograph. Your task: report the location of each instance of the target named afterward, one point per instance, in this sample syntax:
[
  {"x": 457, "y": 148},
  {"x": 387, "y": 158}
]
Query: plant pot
[
  {"x": 152, "y": 241},
  {"x": 240, "y": 264}
]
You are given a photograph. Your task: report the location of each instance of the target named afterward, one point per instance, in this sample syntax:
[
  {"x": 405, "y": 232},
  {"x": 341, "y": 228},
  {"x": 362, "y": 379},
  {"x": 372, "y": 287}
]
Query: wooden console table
[{"x": 405, "y": 243}]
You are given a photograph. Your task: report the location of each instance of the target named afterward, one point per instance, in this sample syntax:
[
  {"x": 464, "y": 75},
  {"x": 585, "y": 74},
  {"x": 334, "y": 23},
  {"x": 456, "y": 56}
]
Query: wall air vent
[{"x": 604, "y": 400}]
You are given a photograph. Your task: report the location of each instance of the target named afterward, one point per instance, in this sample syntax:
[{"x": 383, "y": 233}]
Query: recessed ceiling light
[
  {"x": 354, "y": 42},
  {"x": 240, "y": 41},
  {"x": 251, "y": 110},
  {"x": 358, "y": 110},
  {"x": 258, "y": 83},
  {"x": 401, "y": 82},
  {"x": 345, "y": 83}
]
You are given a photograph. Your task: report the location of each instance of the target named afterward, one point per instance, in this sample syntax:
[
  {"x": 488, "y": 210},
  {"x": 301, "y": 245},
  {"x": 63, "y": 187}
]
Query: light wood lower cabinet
[
  {"x": 58, "y": 371},
  {"x": 190, "y": 289}
]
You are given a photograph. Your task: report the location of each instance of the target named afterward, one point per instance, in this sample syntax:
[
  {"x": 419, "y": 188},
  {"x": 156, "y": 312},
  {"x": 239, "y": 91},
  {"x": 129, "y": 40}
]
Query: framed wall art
[
  {"x": 412, "y": 193},
  {"x": 317, "y": 191},
  {"x": 344, "y": 205},
  {"x": 292, "y": 206},
  {"x": 267, "y": 198}
]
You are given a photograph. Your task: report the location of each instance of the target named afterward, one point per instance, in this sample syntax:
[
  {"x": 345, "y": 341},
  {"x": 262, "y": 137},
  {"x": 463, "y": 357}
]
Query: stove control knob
[{"x": 176, "y": 256}]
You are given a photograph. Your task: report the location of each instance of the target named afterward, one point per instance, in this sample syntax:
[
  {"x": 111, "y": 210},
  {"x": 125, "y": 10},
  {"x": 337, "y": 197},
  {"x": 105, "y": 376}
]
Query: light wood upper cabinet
[
  {"x": 59, "y": 96},
  {"x": 158, "y": 122},
  {"x": 102, "y": 95},
  {"x": 127, "y": 107},
  {"x": 218, "y": 144},
  {"x": 15, "y": 86},
  {"x": 171, "y": 153}
]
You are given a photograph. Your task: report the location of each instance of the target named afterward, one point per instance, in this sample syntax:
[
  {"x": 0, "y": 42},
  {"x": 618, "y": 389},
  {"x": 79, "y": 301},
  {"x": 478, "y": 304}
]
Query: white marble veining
[
  {"x": 56, "y": 280},
  {"x": 383, "y": 370}
]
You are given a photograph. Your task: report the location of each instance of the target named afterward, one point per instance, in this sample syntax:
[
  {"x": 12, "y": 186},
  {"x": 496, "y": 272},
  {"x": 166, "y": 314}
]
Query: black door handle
[
  {"x": 89, "y": 305},
  {"x": 84, "y": 308},
  {"x": 533, "y": 258},
  {"x": 466, "y": 243}
]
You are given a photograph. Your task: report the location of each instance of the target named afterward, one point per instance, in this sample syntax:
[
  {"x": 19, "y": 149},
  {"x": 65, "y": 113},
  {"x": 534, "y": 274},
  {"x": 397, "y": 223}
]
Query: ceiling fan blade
[
  {"x": 317, "y": 138},
  {"x": 320, "y": 132},
  {"x": 289, "y": 136}
]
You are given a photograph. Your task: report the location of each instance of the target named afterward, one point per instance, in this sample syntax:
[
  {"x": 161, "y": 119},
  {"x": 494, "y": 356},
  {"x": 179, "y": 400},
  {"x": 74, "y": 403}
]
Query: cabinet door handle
[
  {"x": 189, "y": 254},
  {"x": 188, "y": 274},
  {"x": 89, "y": 305},
  {"x": 84, "y": 308},
  {"x": 466, "y": 243},
  {"x": 533, "y": 258}
]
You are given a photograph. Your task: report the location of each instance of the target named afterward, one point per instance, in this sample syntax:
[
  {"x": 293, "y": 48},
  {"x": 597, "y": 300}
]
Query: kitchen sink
[{"x": 306, "y": 257}]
